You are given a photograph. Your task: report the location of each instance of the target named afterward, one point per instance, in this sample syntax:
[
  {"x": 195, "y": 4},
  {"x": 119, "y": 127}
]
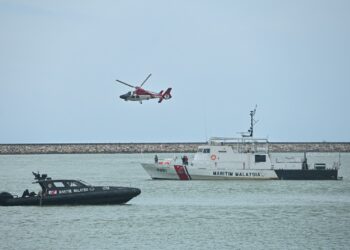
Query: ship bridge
[{"x": 243, "y": 144}]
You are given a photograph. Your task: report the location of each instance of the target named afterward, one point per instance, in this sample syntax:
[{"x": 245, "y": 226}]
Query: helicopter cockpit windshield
[{"x": 127, "y": 95}]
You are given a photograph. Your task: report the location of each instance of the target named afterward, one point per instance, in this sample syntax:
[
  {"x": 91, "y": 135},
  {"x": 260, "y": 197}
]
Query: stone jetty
[{"x": 111, "y": 148}]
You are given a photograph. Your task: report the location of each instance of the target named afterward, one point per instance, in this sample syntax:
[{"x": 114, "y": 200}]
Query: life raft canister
[{"x": 213, "y": 157}]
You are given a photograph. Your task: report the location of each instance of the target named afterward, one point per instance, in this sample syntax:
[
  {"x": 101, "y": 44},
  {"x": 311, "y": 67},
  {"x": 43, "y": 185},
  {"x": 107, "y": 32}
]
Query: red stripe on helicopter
[{"x": 182, "y": 172}]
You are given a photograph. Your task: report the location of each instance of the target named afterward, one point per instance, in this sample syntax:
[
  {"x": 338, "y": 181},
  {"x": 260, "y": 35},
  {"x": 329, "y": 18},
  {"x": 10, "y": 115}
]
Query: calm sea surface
[{"x": 174, "y": 214}]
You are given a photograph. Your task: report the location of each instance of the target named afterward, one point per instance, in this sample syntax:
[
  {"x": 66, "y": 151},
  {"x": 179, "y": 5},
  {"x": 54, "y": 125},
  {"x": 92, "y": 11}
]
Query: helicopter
[{"x": 140, "y": 94}]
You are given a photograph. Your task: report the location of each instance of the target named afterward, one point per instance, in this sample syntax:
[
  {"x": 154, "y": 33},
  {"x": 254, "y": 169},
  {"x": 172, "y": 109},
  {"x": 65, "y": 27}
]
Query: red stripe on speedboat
[{"x": 182, "y": 172}]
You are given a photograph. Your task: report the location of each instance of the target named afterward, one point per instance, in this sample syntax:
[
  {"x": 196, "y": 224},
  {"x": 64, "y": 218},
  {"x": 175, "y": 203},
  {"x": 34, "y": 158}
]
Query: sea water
[{"x": 174, "y": 214}]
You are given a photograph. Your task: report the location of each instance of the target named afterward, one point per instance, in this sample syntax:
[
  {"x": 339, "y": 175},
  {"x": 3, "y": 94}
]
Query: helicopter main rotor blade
[
  {"x": 127, "y": 84},
  {"x": 145, "y": 80}
]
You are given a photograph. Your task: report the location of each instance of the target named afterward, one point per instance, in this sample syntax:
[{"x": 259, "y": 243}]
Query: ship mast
[{"x": 252, "y": 123}]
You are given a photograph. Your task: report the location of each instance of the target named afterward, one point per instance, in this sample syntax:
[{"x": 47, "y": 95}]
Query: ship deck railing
[{"x": 242, "y": 144}]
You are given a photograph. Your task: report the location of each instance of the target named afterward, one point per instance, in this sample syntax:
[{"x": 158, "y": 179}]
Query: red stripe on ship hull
[{"x": 182, "y": 172}]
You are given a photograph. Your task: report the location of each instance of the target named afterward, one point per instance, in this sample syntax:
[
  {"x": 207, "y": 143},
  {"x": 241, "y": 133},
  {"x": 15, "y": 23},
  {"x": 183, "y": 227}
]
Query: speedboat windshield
[{"x": 85, "y": 183}]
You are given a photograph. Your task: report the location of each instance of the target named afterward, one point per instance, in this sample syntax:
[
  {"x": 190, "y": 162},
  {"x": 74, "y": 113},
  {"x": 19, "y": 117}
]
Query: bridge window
[
  {"x": 206, "y": 150},
  {"x": 260, "y": 158},
  {"x": 320, "y": 166}
]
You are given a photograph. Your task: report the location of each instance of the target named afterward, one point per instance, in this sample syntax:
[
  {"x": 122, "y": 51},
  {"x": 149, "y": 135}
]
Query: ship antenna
[{"x": 252, "y": 121}]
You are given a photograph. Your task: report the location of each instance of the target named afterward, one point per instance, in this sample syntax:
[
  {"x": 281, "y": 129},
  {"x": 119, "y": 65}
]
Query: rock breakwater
[{"x": 95, "y": 148}]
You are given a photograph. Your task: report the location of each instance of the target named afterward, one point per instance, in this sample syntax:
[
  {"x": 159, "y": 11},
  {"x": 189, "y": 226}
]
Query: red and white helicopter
[{"x": 140, "y": 94}]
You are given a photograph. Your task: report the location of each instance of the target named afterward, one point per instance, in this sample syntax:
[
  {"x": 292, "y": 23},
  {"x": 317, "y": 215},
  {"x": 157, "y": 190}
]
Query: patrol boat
[
  {"x": 69, "y": 192},
  {"x": 245, "y": 158}
]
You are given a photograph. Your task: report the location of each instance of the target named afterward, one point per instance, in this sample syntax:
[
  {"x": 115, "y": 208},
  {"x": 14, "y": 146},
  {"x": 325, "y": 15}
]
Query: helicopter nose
[{"x": 123, "y": 96}]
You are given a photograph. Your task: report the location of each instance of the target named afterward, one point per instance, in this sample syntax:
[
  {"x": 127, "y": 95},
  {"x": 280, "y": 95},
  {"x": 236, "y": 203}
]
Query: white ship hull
[
  {"x": 245, "y": 158},
  {"x": 183, "y": 172}
]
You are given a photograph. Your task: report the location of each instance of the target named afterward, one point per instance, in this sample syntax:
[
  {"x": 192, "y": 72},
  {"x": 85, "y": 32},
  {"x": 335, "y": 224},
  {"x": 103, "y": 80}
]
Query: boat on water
[
  {"x": 244, "y": 158},
  {"x": 69, "y": 192}
]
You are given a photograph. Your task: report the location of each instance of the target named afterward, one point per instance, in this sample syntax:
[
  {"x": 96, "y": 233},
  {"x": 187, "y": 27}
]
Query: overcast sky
[{"x": 59, "y": 61}]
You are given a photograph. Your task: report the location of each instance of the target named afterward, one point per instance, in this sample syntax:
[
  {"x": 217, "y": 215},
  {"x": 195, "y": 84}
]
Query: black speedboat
[{"x": 69, "y": 192}]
